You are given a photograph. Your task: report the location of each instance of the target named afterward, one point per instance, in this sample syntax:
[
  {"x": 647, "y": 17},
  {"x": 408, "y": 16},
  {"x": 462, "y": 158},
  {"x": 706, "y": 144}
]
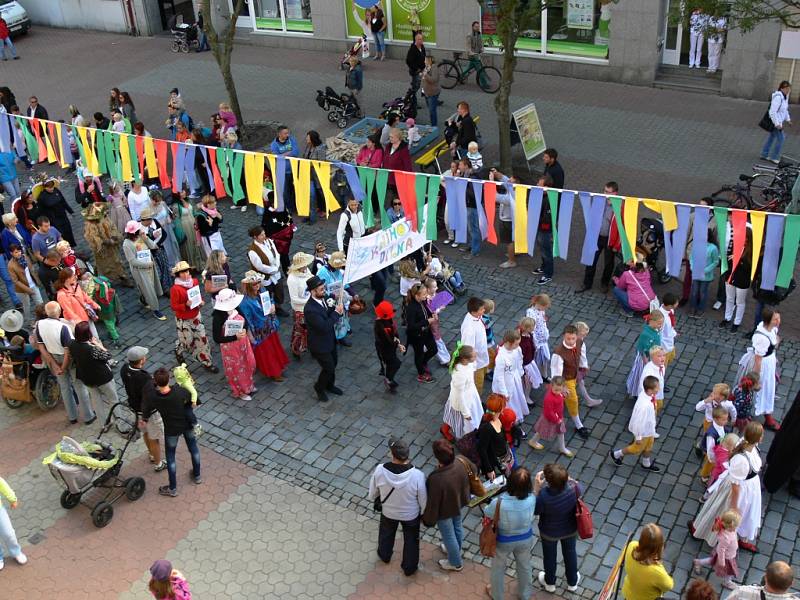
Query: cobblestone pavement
[{"x": 287, "y": 459}]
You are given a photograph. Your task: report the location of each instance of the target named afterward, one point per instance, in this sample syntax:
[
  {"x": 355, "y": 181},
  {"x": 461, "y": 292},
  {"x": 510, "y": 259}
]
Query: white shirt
[
  {"x": 557, "y": 363},
  {"x": 740, "y": 465},
  {"x": 541, "y": 333},
  {"x": 658, "y": 372},
  {"x": 753, "y": 592},
  {"x": 137, "y": 202},
  {"x": 356, "y": 221},
  {"x": 273, "y": 269},
  {"x": 298, "y": 292},
  {"x": 643, "y": 418},
  {"x": 762, "y": 339},
  {"x": 668, "y": 332},
  {"x": 708, "y": 407},
  {"x": 710, "y": 441},
  {"x": 54, "y": 334},
  {"x": 473, "y": 333},
  {"x": 779, "y": 108}
]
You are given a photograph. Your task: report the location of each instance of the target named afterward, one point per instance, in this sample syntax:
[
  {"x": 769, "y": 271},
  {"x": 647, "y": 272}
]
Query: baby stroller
[
  {"x": 355, "y": 50},
  {"x": 80, "y": 468},
  {"x": 404, "y": 108},
  {"x": 184, "y": 36},
  {"x": 651, "y": 244},
  {"x": 341, "y": 107}
]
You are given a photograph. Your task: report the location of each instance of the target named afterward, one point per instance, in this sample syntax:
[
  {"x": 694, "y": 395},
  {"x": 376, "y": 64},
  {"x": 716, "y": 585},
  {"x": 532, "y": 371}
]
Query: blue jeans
[
  {"x": 380, "y": 44},
  {"x": 203, "y": 39},
  {"x": 522, "y": 555},
  {"x": 7, "y": 42},
  {"x": 699, "y": 295},
  {"x": 474, "y": 231},
  {"x": 550, "y": 555},
  {"x": 171, "y": 444},
  {"x": 12, "y": 292},
  {"x": 312, "y": 204},
  {"x": 456, "y": 281},
  {"x": 73, "y": 394},
  {"x": 8, "y": 536},
  {"x": 12, "y": 187},
  {"x": 545, "y": 241},
  {"x": 433, "y": 106},
  {"x": 453, "y": 538},
  {"x": 776, "y": 136},
  {"x": 622, "y": 298}
]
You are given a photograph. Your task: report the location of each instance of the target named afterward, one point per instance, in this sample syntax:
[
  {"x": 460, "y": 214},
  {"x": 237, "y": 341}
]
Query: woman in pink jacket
[
  {"x": 76, "y": 305},
  {"x": 633, "y": 289},
  {"x": 371, "y": 153}
]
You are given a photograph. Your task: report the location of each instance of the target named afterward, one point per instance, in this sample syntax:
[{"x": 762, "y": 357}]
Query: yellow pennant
[
  {"x": 521, "y": 219},
  {"x": 150, "y": 157},
  {"x": 323, "y": 170},
  {"x": 125, "y": 157},
  {"x": 93, "y": 154},
  {"x": 301, "y": 174},
  {"x": 668, "y": 215},
  {"x": 87, "y": 150},
  {"x": 757, "y": 221},
  {"x": 254, "y": 177},
  {"x": 275, "y": 191},
  {"x": 630, "y": 216},
  {"x": 51, "y": 154}
]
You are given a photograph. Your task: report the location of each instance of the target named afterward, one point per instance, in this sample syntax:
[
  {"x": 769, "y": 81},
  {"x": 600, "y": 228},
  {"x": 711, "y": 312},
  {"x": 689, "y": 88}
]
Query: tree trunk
[
  {"x": 224, "y": 63},
  {"x": 501, "y": 103}
]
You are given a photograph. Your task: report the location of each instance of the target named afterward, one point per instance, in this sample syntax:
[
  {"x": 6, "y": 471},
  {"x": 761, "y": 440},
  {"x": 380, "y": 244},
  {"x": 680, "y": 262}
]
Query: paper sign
[
  {"x": 266, "y": 302},
  {"x": 440, "y": 300},
  {"x": 194, "y": 296},
  {"x": 144, "y": 256},
  {"x": 530, "y": 131},
  {"x": 233, "y": 327},
  {"x": 371, "y": 253},
  {"x": 219, "y": 281}
]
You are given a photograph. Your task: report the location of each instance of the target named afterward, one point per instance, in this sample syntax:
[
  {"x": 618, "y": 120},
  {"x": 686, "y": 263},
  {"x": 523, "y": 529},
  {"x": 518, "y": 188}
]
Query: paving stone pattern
[{"x": 330, "y": 450}]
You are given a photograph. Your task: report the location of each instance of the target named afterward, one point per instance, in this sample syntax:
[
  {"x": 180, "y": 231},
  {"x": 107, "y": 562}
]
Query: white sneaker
[
  {"x": 246, "y": 397},
  {"x": 593, "y": 402},
  {"x": 507, "y": 265},
  {"x": 21, "y": 558},
  {"x": 547, "y": 588},
  {"x": 656, "y": 435},
  {"x": 443, "y": 548},
  {"x": 234, "y": 207},
  {"x": 445, "y": 565},
  {"x": 454, "y": 245},
  {"x": 717, "y": 305},
  {"x": 574, "y": 588},
  {"x": 244, "y": 208}
]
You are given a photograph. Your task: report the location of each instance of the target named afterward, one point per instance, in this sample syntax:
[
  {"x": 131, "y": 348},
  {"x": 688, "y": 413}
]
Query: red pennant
[
  {"x": 406, "y": 190},
  {"x": 219, "y": 186},
  {"x": 490, "y": 204},
  {"x": 140, "y": 154},
  {"x": 739, "y": 223},
  {"x": 39, "y": 141},
  {"x": 161, "y": 156}
]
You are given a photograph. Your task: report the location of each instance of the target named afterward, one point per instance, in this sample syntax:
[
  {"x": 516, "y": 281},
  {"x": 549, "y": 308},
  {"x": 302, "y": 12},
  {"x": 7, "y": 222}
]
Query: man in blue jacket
[
  {"x": 321, "y": 314},
  {"x": 8, "y": 175},
  {"x": 285, "y": 144}
]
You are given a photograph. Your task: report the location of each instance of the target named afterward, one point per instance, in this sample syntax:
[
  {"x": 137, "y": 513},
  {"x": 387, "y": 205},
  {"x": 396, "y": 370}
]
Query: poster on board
[
  {"x": 408, "y": 15},
  {"x": 530, "y": 131},
  {"x": 580, "y": 14},
  {"x": 354, "y": 18}
]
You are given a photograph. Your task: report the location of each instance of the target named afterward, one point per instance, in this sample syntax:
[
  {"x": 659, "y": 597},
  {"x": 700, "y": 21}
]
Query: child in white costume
[
  {"x": 463, "y": 410},
  {"x": 508, "y": 374},
  {"x": 541, "y": 334}
]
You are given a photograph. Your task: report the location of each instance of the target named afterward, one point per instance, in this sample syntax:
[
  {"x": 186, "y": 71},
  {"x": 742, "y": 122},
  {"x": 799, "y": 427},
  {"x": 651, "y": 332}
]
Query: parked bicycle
[
  {"x": 760, "y": 191},
  {"x": 453, "y": 72}
]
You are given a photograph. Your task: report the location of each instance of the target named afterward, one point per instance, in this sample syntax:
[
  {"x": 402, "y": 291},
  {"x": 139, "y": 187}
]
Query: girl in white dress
[
  {"x": 761, "y": 357},
  {"x": 508, "y": 374},
  {"x": 738, "y": 488},
  {"x": 463, "y": 410},
  {"x": 541, "y": 334}
]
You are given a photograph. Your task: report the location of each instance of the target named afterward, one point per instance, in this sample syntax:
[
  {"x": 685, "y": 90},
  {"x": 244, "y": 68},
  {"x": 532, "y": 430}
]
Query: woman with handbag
[
  {"x": 513, "y": 513},
  {"x": 556, "y": 501},
  {"x": 761, "y": 357},
  {"x": 645, "y": 575},
  {"x": 92, "y": 370},
  {"x": 76, "y": 306},
  {"x": 448, "y": 492},
  {"x": 633, "y": 289},
  {"x": 495, "y": 455}
]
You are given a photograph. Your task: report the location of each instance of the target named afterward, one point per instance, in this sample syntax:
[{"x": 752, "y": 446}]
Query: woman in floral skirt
[{"x": 237, "y": 353}]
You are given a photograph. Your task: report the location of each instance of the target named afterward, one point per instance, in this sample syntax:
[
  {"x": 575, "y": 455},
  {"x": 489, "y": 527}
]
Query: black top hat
[{"x": 313, "y": 283}]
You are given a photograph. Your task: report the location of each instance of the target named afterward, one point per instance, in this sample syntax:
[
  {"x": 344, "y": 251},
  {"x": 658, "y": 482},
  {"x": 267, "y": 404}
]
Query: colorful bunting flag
[
  {"x": 533, "y": 213},
  {"x": 5, "y": 133},
  {"x": 739, "y": 227},
  {"x": 630, "y": 221},
  {"x": 490, "y": 204},
  {"x": 405, "y": 183},
  {"x": 323, "y": 170},
  {"x": 565, "y": 222},
  {"x": 456, "y": 207},
  {"x": 791, "y": 240},
  {"x": 675, "y": 241},
  {"x": 627, "y": 250},
  {"x": 219, "y": 186},
  {"x": 757, "y": 220},
  {"x": 552, "y": 200},
  {"x": 301, "y": 174},
  {"x": 721, "y": 218},
  {"x": 772, "y": 251},
  {"x": 150, "y": 157},
  {"x": 593, "y": 208},
  {"x": 366, "y": 178},
  {"x": 431, "y": 227},
  {"x": 381, "y": 184}
]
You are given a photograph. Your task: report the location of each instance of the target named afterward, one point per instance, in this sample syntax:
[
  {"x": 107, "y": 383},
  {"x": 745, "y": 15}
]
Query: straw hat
[
  {"x": 147, "y": 213},
  {"x": 12, "y": 321},
  {"x": 181, "y": 266},
  {"x": 337, "y": 260},
  {"x": 227, "y": 300},
  {"x": 252, "y": 277},
  {"x": 94, "y": 212},
  {"x": 39, "y": 186},
  {"x": 133, "y": 227},
  {"x": 300, "y": 261}
]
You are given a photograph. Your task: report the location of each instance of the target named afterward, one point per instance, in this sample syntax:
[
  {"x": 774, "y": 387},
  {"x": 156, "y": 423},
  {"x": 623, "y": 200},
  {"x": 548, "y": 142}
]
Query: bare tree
[
  {"x": 222, "y": 49},
  {"x": 513, "y": 17}
]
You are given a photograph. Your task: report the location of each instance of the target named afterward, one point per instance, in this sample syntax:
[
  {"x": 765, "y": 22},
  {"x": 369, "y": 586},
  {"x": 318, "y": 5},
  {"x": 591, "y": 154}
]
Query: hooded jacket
[{"x": 409, "y": 497}]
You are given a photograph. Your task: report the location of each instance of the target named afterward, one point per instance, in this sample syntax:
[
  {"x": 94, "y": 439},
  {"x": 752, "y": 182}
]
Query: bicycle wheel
[
  {"x": 770, "y": 199},
  {"x": 730, "y": 196},
  {"x": 488, "y": 78},
  {"x": 449, "y": 75}
]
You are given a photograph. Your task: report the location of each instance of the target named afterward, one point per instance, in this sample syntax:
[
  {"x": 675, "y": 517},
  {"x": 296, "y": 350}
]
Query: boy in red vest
[{"x": 567, "y": 358}]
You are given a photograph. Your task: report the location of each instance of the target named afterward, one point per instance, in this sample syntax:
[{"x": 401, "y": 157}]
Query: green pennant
[
  {"x": 552, "y": 199},
  {"x": 791, "y": 239},
  {"x": 101, "y": 151},
  {"x": 236, "y": 176},
  {"x": 420, "y": 187},
  {"x": 431, "y": 230},
  {"x": 381, "y": 181},
  {"x": 112, "y": 157},
  {"x": 30, "y": 139},
  {"x": 222, "y": 165},
  {"x": 367, "y": 178},
  {"x": 134, "y": 159},
  {"x": 721, "y": 216},
  {"x": 81, "y": 150},
  {"x": 616, "y": 205}
]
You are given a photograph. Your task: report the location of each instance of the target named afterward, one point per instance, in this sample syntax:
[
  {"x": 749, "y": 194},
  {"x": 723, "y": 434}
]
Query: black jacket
[
  {"x": 136, "y": 382},
  {"x": 218, "y": 318},
  {"x": 415, "y": 59},
  {"x": 466, "y": 131},
  {"x": 40, "y": 112},
  {"x": 417, "y": 315},
  {"x": 91, "y": 363},
  {"x": 320, "y": 322},
  {"x": 557, "y": 173},
  {"x": 492, "y": 446},
  {"x": 172, "y": 408},
  {"x": 86, "y": 197}
]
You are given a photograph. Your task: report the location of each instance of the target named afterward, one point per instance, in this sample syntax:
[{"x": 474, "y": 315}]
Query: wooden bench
[{"x": 430, "y": 156}]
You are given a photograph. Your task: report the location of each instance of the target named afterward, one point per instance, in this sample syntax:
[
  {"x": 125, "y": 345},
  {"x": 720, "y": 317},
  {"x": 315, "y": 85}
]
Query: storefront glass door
[{"x": 673, "y": 34}]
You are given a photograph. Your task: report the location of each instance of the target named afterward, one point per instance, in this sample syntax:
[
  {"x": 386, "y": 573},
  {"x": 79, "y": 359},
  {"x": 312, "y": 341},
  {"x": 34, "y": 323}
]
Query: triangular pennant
[
  {"x": 137, "y": 174},
  {"x": 702, "y": 215},
  {"x": 21, "y": 140},
  {"x": 630, "y": 219},
  {"x": 352, "y": 180},
  {"x": 279, "y": 178},
  {"x": 63, "y": 141},
  {"x": 102, "y": 163},
  {"x": 79, "y": 143},
  {"x": 791, "y": 240},
  {"x": 41, "y": 149},
  {"x": 139, "y": 145},
  {"x": 477, "y": 190},
  {"x": 223, "y": 154},
  {"x": 739, "y": 226},
  {"x": 552, "y": 200},
  {"x": 408, "y": 196},
  {"x": 420, "y": 191},
  {"x": 565, "y": 222},
  {"x": 163, "y": 170},
  {"x": 521, "y": 242},
  {"x": 456, "y": 207},
  {"x": 219, "y": 186},
  {"x": 675, "y": 241},
  {"x": 150, "y": 158},
  {"x": 431, "y": 228},
  {"x": 593, "y": 208},
  {"x": 323, "y": 170},
  {"x": 190, "y": 150},
  {"x": 177, "y": 166},
  {"x": 254, "y": 179},
  {"x": 366, "y": 177},
  {"x": 668, "y": 215},
  {"x": 772, "y": 251},
  {"x": 616, "y": 206},
  {"x": 125, "y": 158},
  {"x": 381, "y": 184},
  {"x": 203, "y": 150},
  {"x": 301, "y": 175},
  {"x": 490, "y": 205},
  {"x": 277, "y": 190},
  {"x": 5, "y": 133},
  {"x": 757, "y": 220},
  {"x": 533, "y": 213},
  {"x": 236, "y": 176},
  {"x": 50, "y": 141},
  {"x": 721, "y": 218}
]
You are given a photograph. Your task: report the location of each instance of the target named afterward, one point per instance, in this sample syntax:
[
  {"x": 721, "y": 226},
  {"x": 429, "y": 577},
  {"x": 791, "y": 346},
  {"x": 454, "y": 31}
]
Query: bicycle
[
  {"x": 754, "y": 193},
  {"x": 452, "y": 72}
]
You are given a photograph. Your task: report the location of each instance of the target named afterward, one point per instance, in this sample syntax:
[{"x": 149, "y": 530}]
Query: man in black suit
[
  {"x": 320, "y": 320},
  {"x": 36, "y": 110}
]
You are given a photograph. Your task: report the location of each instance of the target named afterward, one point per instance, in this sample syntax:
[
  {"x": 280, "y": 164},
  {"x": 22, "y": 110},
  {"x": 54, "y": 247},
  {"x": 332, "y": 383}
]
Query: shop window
[
  {"x": 282, "y": 15},
  {"x": 565, "y": 28}
]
